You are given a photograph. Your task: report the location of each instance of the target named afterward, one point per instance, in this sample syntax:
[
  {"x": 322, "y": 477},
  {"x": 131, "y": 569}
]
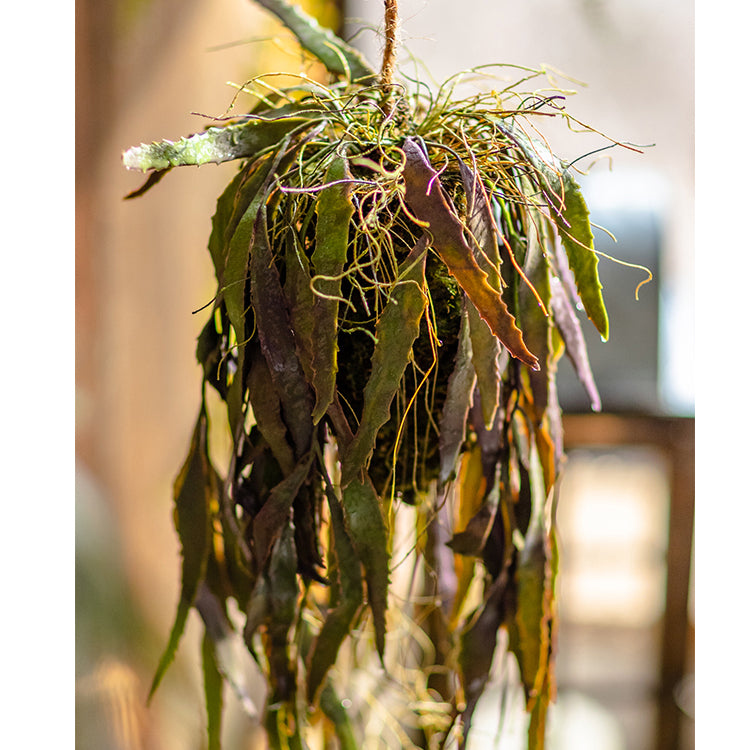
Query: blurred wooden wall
[{"x": 142, "y": 269}]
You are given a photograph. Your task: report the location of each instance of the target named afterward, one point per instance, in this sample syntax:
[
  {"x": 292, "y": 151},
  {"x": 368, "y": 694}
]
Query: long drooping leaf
[
  {"x": 283, "y": 601},
  {"x": 277, "y": 339},
  {"x": 227, "y": 653},
  {"x": 192, "y": 496},
  {"x": 532, "y": 617},
  {"x": 575, "y": 344},
  {"x": 334, "y": 209},
  {"x": 534, "y": 317},
  {"x": 213, "y": 687},
  {"x": 457, "y": 403},
  {"x": 338, "y": 622},
  {"x": 301, "y": 300},
  {"x": 218, "y": 144},
  {"x": 250, "y": 196},
  {"x": 578, "y": 240},
  {"x": 396, "y": 331},
  {"x": 531, "y": 628},
  {"x": 478, "y": 650},
  {"x": 425, "y": 198},
  {"x": 485, "y": 345},
  {"x": 272, "y": 517},
  {"x": 332, "y": 51},
  {"x": 220, "y": 223},
  {"x": 571, "y": 215},
  {"x": 333, "y": 707},
  {"x": 266, "y": 406},
  {"x": 367, "y": 531}
]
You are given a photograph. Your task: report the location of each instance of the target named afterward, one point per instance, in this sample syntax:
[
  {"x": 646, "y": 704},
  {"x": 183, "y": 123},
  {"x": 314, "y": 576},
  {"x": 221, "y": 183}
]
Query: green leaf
[
  {"x": 213, "y": 688},
  {"x": 337, "y": 625},
  {"x": 535, "y": 591},
  {"x": 534, "y": 317},
  {"x": 532, "y": 616},
  {"x": 578, "y": 240},
  {"x": 301, "y": 301},
  {"x": 426, "y": 199},
  {"x": 334, "y": 209},
  {"x": 283, "y": 600},
  {"x": 332, "y": 51},
  {"x": 217, "y": 144},
  {"x": 192, "y": 497},
  {"x": 367, "y": 531},
  {"x": 334, "y": 709},
  {"x": 396, "y": 331}
]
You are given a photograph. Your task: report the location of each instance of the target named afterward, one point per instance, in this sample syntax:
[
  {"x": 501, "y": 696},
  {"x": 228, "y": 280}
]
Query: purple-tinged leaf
[
  {"x": 301, "y": 302},
  {"x": 277, "y": 339},
  {"x": 478, "y": 649},
  {"x": 425, "y": 198},
  {"x": 569, "y": 325},
  {"x": 276, "y": 510},
  {"x": 266, "y": 406},
  {"x": 457, "y": 403}
]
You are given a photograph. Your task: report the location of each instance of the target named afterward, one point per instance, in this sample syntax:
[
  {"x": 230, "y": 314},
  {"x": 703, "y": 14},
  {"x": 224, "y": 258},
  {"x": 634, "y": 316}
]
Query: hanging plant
[{"x": 398, "y": 273}]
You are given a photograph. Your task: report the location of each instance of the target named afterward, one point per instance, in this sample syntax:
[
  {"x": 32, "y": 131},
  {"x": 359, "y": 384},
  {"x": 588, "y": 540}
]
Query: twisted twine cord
[{"x": 389, "y": 53}]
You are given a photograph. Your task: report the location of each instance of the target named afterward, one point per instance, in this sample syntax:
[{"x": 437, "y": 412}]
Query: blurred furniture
[{"x": 674, "y": 437}]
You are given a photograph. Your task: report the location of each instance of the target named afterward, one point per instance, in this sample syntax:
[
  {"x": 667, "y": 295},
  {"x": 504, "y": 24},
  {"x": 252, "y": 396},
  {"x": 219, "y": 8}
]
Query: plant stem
[{"x": 389, "y": 53}]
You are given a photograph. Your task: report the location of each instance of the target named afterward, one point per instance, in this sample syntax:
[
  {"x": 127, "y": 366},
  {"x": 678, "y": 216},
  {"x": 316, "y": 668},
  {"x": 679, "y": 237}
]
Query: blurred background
[{"x": 153, "y": 69}]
